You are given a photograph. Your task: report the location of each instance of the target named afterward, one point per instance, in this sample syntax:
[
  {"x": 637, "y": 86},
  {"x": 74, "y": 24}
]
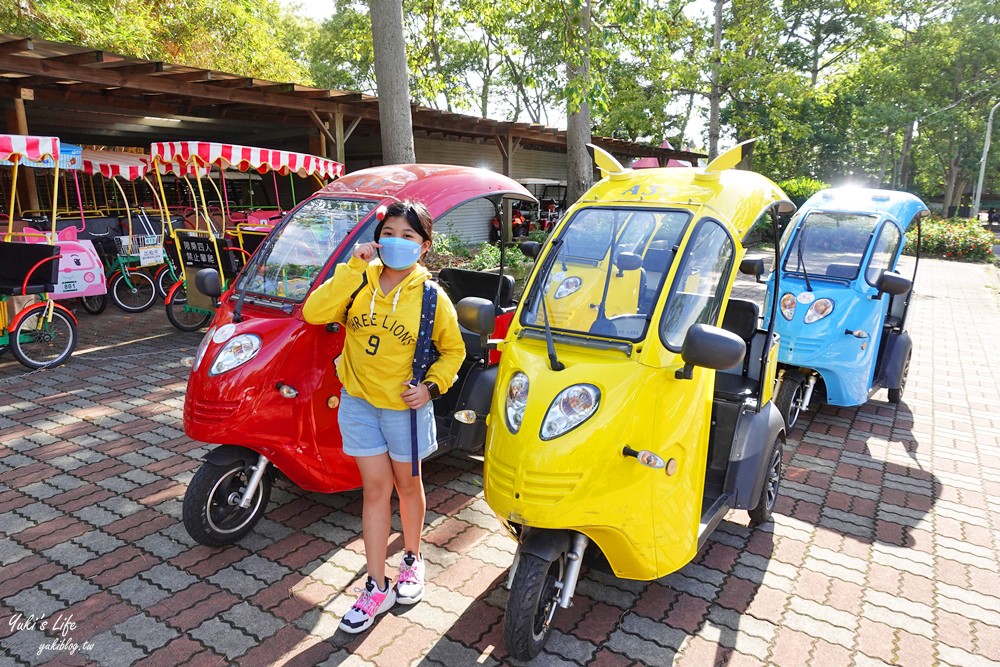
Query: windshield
[
  {"x": 606, "y": 273},
  {"x": 286, "y": 265},
  {"x": 829, "y": 244}
]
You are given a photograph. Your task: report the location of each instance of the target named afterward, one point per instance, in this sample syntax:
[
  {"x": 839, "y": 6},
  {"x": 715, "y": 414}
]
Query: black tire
[
  {"x": 136, "y": 297},
  {"x": 211, "y": 513},
  {"x": 180, "y": 317},
  {"x": 40, "y": 344},
  {"x": 532, "y": 603},
  {"x": 164, "y": 280},
  {"x": 896, "y": 395},
  {"x": 95, "y": 305},
  {"x": 769, "y": 491},
  {"x": 789, "y": 398}
]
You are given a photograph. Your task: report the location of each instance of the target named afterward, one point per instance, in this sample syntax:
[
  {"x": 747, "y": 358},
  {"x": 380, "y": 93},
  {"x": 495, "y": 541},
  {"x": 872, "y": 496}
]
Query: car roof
[
  {"x": 439, "y": 187},
  {"x": 737, "y": 196},
  {"x": 902, "y": 207}
]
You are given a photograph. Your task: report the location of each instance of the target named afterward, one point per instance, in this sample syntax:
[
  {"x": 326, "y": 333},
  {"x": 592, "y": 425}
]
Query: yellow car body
[{"x": 647, "y": 521}]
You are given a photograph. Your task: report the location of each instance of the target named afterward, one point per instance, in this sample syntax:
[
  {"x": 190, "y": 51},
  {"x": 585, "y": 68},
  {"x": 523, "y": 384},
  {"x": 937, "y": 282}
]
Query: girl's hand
[
  {"x": 416, "y": 397},
  {"x": 366, "y": 251}
]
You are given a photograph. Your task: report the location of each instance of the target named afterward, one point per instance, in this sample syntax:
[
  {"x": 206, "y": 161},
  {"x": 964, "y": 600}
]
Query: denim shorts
[{"x": 369, "y": 431}]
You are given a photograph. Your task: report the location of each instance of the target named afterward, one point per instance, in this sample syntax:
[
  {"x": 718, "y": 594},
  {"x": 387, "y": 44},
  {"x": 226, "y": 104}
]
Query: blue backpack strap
[{"x": 423, "y": 357}]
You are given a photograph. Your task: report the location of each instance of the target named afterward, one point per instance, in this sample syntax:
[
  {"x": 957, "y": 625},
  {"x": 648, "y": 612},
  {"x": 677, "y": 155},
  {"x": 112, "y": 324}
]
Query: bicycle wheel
[
  {"x": 133, "y": 292},
  {"x": 183, "y": 317},
  {"x": 95, "y": 305},
  {"x": 37, "y": 343},
  {"x": 164, "y": 281}
]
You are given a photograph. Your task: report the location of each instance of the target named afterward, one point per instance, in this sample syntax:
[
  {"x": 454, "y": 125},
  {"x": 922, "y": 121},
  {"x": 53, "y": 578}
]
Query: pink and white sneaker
[
  {"x": 410, "y": 582},
  {"x": 371, "y": 603}
]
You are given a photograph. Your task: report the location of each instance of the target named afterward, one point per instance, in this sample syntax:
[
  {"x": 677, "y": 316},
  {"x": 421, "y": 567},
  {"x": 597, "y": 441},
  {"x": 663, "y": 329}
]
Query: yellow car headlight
[
  {"x": 517, "y": 401},
  {"x": 573, "y": 406}
]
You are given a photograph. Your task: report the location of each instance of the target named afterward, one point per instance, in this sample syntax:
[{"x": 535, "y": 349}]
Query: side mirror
[
  {"x": 752, "y": 267},
  {"x": 893, "y": 283},
  {"x": 477, "y": 315},
  {"x": 627, "y": 261},
  {"x": 710, "y": 347},
  {"x": 208, "y": 283},
  {"x": 530, "y": 249}
]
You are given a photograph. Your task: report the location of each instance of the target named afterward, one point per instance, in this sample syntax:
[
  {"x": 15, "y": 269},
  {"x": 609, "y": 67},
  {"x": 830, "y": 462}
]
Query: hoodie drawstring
[{"x": 395, "y": 301}]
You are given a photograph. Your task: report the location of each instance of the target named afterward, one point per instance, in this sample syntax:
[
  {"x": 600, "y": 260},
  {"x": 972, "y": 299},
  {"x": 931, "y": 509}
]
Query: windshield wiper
[
  {"x": 802, "y": 263},
  {"x": 550, "y": 345}
]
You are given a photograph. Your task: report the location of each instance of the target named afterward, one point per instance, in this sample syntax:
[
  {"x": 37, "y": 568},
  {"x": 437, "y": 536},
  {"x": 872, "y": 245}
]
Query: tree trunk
[
  {"x": 715, "y": 96},
  {"x": 392, "y": 81},
  {"x": 579, "y": 166},
  {"x": 951, "y": 182}
]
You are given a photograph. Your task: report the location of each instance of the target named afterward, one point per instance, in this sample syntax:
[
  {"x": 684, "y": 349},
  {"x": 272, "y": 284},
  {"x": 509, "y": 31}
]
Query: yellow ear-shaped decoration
[
  {"x": 732, "y": 157},
  {"x": 606, "y": 162}
]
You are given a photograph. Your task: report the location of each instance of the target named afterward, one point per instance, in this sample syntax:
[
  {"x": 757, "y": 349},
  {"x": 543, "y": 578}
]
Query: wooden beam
[
  {"x": 276, "y": 88},
  {"x": 154, "y": 84},
  {"x": 82, "y": 58},
  {"x": 180, "y": 77},
  {"x": 16, "y": 46},
  {"x": 318, "y": 122},
  {"x": 150, "y": 67},
  {"x": 238, "y": 82}
]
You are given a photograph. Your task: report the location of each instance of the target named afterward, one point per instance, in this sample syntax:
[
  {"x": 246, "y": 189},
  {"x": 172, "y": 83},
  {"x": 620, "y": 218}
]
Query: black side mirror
[
  {"x": 894, "y": 284},
  {"x": 478, "y": 315},
  {"x": 208, "y": 283},
  {"x": 710, "y": 347},
  {"x": 752, "y": 267},
  {"x": 627, "y": 261},
  {"x": 530, "y": 249}
]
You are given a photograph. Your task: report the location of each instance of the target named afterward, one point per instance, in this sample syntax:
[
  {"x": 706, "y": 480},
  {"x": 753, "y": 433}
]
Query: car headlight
[
  {"x": 573, "y": 406},
  {"x": 567, "y": 287},
  {"x": 200, "y": 354},
  {"x": 517, "y": 401},
  {"x": 819, "y": 309},
  {"x": 787, "y": 306},
  {"x": 236, "y": 352}
]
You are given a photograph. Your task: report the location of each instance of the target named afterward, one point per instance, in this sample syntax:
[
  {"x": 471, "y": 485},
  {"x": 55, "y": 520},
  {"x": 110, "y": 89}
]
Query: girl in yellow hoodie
[{"x": 379, "y": 302}]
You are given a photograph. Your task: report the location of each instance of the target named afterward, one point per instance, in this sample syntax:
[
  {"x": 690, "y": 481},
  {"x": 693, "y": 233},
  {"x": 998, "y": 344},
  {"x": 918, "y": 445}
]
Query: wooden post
[
  {"x": 338, "y": 133},
  {"x": 27, "y": 182}
]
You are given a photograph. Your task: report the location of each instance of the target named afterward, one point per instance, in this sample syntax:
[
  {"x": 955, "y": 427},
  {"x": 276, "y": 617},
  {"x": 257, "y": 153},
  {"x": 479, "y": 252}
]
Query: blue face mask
[{"x": 397, "y": 253}]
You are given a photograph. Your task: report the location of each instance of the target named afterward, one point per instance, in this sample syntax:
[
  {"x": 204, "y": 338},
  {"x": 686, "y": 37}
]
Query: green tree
[{"x": 238, "y": 36}]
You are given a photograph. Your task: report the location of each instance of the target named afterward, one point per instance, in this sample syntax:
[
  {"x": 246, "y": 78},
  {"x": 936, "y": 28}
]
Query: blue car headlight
[
  {"x": 236, "y": 352},
  {"x": 573, "y": 406},
  {"x": 819, "y": 309}
]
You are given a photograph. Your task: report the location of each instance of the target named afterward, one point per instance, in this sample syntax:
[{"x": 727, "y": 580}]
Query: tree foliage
[
  {"x": 238, "y": 36},
  {"x": 883, "y": 93}
]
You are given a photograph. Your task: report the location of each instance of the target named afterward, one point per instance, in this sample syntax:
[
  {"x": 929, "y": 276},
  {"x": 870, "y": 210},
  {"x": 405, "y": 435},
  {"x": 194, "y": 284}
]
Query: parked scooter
[
  {"x": 633, "y": 405},
  {"x": 264, "y": 381},
  {"x": 841, "y": 339}
]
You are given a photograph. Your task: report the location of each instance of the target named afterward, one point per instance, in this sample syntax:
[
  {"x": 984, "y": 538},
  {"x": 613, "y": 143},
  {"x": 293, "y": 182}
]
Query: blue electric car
[{"x": 842, "y": 305}]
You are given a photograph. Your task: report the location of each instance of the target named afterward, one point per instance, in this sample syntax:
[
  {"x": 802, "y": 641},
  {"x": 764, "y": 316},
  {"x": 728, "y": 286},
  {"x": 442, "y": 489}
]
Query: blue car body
[{"x": 841, "y": 326}]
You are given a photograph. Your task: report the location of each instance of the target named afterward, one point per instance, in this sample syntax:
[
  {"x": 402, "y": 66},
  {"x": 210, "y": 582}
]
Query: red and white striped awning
[
  {"x": 32, "y": 148},
  {"x": 109, "y": 164},
  {"x": 182, "y": 157}
]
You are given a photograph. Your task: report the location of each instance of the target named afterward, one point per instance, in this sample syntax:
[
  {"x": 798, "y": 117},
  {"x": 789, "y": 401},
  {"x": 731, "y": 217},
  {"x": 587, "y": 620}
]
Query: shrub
[
  {"x": 802, "y": 188},
  {"x": 538, "y": 234},
  {"x": 956, "y": 238},
  {"x": 488, "y": 257}
]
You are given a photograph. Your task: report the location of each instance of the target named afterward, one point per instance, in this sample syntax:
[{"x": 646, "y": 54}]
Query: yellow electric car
[{"x": 632, "y": 406}]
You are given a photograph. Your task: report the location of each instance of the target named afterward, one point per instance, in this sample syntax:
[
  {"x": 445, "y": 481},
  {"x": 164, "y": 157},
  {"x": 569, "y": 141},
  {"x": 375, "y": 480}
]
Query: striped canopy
[
  {"x": 189, "y": 157},
  {"x": 40, "y": 152},
  {"x": 109, "y": 164}
]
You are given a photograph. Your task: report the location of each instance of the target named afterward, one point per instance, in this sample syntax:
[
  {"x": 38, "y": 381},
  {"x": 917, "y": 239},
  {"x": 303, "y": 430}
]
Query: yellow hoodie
[{"x": 381, "y": 332}]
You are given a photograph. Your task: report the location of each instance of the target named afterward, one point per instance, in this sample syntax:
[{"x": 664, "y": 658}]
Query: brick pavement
[{"x": 884, "y": 549}]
